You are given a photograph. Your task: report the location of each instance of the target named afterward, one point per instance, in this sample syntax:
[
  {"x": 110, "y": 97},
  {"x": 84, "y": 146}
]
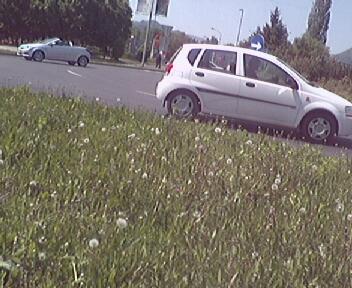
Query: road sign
[{"x": 258, "y": 42}]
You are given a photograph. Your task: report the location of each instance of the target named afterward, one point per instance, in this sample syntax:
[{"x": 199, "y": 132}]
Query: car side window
[
  {"x": 264, "y": 70},
  {"x": 220, "y": 61}
]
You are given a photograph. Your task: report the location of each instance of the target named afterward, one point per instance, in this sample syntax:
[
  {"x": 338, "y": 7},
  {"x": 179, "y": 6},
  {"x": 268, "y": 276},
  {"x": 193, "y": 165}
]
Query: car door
[
  {"x": 216, "y": 81},
  {"x": 268, "y": 93},
  {"x": 54, "y": 50}
]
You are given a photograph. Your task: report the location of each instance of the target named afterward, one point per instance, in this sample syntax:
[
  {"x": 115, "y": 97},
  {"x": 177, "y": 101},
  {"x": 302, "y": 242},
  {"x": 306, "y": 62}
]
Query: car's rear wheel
[
  {"x": 38, "y": 56},
  {"x": 72, "y": 63},
  {"x": 183, "y": 104},
  {"x": 83, "y": 61},
  {"x": 319, "y": 127}
]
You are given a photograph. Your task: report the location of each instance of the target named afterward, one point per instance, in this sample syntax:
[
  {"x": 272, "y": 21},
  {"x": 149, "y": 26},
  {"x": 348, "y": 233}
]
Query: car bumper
[
  {"x": 345, "y": 126},
  {"x": 22, "y": 52}
]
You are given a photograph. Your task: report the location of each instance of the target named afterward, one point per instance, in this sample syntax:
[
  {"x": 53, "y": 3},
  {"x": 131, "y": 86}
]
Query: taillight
[{"x": 168, "y": 68}]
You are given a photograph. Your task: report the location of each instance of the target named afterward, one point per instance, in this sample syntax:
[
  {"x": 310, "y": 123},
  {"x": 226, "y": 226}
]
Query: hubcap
[
  {"x": 182, "y": 105},
  {"x": 83, "y": 61},
  {"x": 319, "y": 129},
  {"x": 38, "y": 56}
]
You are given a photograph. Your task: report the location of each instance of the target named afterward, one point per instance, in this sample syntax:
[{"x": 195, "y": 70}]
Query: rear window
[{"x": 192, "y": 56}]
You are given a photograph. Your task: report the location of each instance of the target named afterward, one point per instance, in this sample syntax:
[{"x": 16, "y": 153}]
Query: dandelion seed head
[
  {"x": 274, "y": 187},
  {"x": 197, "y": 139},
  {"x": 121, "y": 223},
  {"x": 97, "y": 99},
  {"x": 93, "y": 243},
  {"x": 217, "y": 130},
  {"x": 41, "y": 256}
]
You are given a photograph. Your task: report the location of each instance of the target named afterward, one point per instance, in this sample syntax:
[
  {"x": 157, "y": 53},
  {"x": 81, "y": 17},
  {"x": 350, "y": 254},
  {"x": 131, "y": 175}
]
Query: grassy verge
[{"x": 101, "y": 197}]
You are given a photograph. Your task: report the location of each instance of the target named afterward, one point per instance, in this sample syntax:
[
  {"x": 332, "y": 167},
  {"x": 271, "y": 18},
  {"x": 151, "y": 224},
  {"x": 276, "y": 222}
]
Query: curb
[{"x": 135, "y": 67}]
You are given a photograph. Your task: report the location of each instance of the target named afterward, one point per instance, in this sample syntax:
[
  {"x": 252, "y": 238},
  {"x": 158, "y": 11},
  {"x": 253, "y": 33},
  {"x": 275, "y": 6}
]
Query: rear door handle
[
  {"x": 250, "y": 84},
  {"x": 200, "y": 74}
]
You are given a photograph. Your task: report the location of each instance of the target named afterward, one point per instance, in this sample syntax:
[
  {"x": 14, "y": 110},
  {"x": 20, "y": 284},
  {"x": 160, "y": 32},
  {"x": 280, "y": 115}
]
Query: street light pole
[
  {"x": 220, "y": 35},
  {"x": 147, "y": 34},
  {"x": 239, "y": 27}
]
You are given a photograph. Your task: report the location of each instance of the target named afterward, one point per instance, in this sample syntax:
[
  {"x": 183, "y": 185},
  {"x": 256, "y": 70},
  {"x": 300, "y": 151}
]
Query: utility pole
[
  {"x": 239, "y": 27},
  {"x": 147, "y": 34}
]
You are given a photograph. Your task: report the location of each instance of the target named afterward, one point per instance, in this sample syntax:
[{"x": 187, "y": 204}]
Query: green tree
[{"x": 318, "y": 21}]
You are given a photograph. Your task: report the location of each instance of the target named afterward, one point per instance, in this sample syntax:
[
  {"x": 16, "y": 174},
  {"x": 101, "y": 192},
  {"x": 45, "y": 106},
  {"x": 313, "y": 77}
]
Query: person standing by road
[{"x": 158, "y": 60}]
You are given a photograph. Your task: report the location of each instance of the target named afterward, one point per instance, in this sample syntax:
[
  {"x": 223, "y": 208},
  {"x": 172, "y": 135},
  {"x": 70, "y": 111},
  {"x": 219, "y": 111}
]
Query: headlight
[{"x": 348, "y": 111}]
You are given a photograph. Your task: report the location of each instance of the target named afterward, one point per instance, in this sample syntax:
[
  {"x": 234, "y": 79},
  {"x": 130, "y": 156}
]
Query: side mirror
[{"x": 292, "y": 83}]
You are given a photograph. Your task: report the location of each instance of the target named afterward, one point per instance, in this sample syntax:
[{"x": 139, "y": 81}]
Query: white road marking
[
  {"x": 145, "y": 93},
  {"x": 73, "y": 73}
]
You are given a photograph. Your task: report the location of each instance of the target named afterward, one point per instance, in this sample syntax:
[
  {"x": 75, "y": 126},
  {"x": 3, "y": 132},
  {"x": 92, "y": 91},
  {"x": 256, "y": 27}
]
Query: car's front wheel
[
  {"x": 72, "y": 63},
  {"x": 28, "y": 58},
  {"x": 82, "y": 61},
  {"x": 183, "y": 104},
  {"x": 319, "y": 127},
  {"x": 38, "y": 56}
]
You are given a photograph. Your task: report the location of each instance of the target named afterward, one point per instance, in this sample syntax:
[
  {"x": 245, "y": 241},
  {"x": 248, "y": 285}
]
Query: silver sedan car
[{"x": 55, "y": 49}]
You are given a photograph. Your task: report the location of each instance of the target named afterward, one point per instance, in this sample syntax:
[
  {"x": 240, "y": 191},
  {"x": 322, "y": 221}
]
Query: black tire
[
  {"x": 325, "y": 125},
  {"x": 83, "y": 61},
  {"x": 38, "y": 56},
  {"x": 28, "y": 58},
  {"x": 191, "y": 104},
  {"x": 72, "y": 63}
]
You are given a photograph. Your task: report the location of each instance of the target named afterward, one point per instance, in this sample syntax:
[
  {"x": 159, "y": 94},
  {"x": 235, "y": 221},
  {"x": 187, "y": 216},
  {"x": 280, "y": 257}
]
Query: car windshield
[
  {"x": 298, "y": 74},
  {"x": 47, "y": 41}
]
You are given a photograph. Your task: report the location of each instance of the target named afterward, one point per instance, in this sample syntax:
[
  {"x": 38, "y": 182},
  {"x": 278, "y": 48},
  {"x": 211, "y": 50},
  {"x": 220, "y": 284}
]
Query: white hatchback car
[{"x": 252, "y": 86}]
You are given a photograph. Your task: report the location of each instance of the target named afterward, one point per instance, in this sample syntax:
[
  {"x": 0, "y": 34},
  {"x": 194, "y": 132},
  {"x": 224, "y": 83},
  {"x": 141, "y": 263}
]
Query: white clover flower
[
  {"x": 41, "y": 256},
  {"x": 197, "y": 214},
  {"x": 69, "y": 130},
  {"x": 249, "y": 142},
  {"x": 314, "y": 167},
  {"x": 97, "y": 99},
  {"x": 103, "y": 129},
  {"x": 255, "y": 254},
  {"x": 163, "y": 158},
  {"x": 189, "y": 182},
  {"x": 157, "y": 131},
  {"x": 86, "y": 140},
  {"x": 66, "y": 244},
  {"x": 121, "y": 223},
  {"x": 164, "y": 181},
  {"x": 340, "y": 207},
  {"x": 229, "y": 161},
  {"x": 349, "y": 217},
  {"x": 274, "y": 187},
  {"x": 217, "y": 130},
  {"x": 197, "y": 139},
  {"x": 211, "y": 173},
  {"x": 145, "y": 175},
  {"x": 302, "y": 210},
  {"x": 41, "y": 240},
  {"x": 93, "y": 243},
  {"x": 322, "y": 250},
  {"x": 277, "y": 181},
  {"x": 81, "y": 124},
  {"x": 131, "y": 136},
  {"x": 196, "y": 121},
  {"x": 33, "y": 183}
]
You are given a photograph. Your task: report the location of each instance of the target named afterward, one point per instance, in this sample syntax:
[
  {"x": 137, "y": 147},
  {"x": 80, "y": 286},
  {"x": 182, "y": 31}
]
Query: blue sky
[{"x": 196, "y": 17}]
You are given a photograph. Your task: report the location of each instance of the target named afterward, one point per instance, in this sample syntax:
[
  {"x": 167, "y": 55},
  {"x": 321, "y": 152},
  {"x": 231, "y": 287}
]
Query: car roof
[{"x": 230, "y": 48}]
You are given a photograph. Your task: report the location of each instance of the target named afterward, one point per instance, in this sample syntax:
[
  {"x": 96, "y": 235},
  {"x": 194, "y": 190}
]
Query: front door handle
[
  {"x": 250, "y": 84},
  {"x": 200, "y": 74}
]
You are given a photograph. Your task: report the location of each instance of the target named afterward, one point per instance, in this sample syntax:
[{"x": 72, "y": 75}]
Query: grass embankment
[{"x": 101, "y": 197}]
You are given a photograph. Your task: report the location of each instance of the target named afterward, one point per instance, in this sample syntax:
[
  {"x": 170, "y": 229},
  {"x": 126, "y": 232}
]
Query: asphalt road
[
  {"x": 112, "y": 85},
  {"x": 133, "y": 88}
]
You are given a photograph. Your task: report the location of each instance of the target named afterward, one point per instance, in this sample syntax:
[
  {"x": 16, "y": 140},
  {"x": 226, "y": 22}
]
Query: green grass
[{"x": 194, "y": 217}]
